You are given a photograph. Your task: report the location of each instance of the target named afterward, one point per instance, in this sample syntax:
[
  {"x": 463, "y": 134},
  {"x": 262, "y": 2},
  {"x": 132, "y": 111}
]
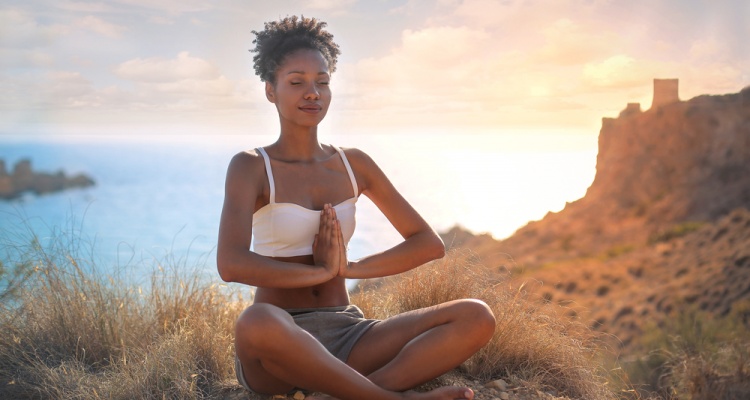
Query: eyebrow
[{"x": 303, "y": 72}]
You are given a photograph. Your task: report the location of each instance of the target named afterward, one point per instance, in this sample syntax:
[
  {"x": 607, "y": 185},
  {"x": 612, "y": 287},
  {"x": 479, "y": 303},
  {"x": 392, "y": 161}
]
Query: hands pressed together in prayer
[{"x": 329, "y": 250}]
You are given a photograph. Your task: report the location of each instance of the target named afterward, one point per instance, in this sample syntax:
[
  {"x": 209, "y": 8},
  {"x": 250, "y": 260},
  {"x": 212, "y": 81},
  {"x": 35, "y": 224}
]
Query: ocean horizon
[{"x": 159, "y": 198}]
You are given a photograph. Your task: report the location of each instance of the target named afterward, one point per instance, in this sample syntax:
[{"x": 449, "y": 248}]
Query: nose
[{"x": 312, "y": 92}]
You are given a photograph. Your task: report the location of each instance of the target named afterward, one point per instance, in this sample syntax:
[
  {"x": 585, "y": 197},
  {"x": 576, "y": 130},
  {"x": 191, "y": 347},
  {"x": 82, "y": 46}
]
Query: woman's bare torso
[
  {"x": 328, "y": 294},
  {"x": 293, "y": 185}
]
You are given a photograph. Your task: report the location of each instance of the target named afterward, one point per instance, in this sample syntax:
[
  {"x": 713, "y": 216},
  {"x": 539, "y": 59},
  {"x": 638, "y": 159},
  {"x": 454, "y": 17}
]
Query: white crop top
[{"x": 288, "y": 229}]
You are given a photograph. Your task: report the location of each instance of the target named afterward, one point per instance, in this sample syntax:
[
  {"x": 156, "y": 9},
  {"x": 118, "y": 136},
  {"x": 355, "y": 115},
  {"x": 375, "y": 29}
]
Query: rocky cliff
[
  {"x": 665, "y": 224},
  {"x": 682, "y": 162},
  {"x": 23, "y": 179}
]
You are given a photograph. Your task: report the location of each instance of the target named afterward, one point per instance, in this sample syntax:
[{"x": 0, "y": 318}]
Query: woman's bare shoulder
[
  {"x": 248, "y": 155},
  {"x": 366, "y": 170},
  {"x": 247, "y": 166},
  {"x": 357, "y": 156},
  {"x": 247, "y": 159}
]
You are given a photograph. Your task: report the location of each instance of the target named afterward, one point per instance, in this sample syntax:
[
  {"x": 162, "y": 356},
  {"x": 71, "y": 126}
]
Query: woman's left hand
[{"x": 329, "y": 249}]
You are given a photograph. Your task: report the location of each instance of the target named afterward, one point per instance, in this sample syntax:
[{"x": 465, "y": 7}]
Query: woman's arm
[
  {"x": 421, "y": 243},
  {"x": 234, "y": 260}
]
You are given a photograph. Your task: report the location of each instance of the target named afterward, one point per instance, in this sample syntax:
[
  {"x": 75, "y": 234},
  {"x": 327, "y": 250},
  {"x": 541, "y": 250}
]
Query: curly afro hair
[{"x": 280, "y": 38}]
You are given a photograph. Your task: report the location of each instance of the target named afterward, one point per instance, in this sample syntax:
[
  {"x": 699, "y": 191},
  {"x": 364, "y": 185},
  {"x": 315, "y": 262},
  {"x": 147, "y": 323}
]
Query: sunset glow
[{"x": 472, "y": 64}]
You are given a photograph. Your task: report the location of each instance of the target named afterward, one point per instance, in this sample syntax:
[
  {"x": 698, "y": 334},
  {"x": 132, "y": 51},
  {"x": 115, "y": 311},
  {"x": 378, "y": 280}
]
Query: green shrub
[{"x": 674, "y": 232}]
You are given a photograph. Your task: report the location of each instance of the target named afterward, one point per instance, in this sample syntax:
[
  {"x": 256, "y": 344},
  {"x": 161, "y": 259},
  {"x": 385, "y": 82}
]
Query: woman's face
[{"x": 301, "y": 92}]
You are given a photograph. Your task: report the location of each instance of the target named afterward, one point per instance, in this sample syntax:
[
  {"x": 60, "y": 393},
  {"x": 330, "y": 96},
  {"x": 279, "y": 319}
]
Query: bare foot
[
  {"x": 443, "y": 393},
  {"x": 319, "y": 397}
]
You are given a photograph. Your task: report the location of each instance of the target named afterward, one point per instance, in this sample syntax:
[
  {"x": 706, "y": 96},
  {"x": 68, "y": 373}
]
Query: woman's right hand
[{"x": 328, "y": 247}]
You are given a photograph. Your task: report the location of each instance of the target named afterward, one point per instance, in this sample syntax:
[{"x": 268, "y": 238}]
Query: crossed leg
[
  {"x": 412, "y": 348},
  {"x": 277, "y": 355}
]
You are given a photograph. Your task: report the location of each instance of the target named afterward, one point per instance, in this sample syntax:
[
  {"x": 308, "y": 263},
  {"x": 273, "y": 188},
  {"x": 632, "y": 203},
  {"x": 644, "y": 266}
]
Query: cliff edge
[
  {"x": 687, "y": 161},
  {"x": 665, "y": 225}
]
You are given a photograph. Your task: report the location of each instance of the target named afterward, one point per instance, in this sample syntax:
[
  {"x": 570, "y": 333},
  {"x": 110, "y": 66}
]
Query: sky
[{"x": 456, "y": 65}]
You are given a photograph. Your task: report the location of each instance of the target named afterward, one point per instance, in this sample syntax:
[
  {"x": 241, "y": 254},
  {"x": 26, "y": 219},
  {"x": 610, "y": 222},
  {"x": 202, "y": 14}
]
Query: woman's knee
[
  {"x": 477, "y": 314},
  {"x": 262, "y": 322}
]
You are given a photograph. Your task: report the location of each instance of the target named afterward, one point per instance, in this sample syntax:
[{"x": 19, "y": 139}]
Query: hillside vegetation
[{"x": 657, "y": 254}]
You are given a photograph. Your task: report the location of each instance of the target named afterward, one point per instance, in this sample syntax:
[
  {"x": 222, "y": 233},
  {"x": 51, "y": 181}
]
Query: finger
[
  {"x": 332, "y": 230},
  {"x": 343, "y": 259},
  {"x": 326, "y": 217},
  {"x": 322, "y": 216},
  {"x": 330, "y": 212},
  {"x": 339, "y": 235},
  {"x": 333, "y": 214}
]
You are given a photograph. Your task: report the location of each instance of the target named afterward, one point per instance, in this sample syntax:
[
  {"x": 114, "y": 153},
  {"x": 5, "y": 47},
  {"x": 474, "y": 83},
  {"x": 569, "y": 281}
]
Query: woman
[{"x": 296, "y": 198}]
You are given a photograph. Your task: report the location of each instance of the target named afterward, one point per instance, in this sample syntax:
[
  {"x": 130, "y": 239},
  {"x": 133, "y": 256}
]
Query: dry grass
[
  {"x": 721, "y": 375},
  {"x": 533, "y": 343},
  {"x": 695, "y": 356},
  {"x": 73, "y": 331}
]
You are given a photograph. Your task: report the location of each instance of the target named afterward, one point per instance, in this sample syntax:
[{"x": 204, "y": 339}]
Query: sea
[{"x": 157, "y": 198}]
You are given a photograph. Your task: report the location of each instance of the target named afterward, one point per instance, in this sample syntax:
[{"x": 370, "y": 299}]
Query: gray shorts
[{"x": 337, "y": 328}]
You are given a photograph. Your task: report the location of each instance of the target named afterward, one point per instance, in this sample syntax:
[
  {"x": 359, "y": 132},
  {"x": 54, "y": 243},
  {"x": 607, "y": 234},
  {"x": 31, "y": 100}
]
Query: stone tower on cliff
[{"x": 665, "y": 92}]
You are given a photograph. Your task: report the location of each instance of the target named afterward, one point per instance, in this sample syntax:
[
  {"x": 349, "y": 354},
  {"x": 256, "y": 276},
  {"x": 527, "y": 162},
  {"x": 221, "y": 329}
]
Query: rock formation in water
[{"x": 23, "y": 179}]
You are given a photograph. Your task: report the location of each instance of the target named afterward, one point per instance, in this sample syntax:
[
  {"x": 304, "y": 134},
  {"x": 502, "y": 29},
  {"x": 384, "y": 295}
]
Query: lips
[{"x": 311, "y": 108}]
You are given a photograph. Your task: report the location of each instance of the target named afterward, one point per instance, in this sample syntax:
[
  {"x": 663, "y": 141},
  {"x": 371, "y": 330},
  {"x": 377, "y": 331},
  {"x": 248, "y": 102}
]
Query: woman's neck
[{"x": 298, "y": 145}]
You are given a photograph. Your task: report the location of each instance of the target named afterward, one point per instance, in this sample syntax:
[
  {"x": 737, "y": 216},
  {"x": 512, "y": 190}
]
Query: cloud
[
  {"x": 22, "y": 58},
  {"x": 517, "y": 15},
  {"x": 184, "y": 83},
  {"x": 199, "y": 96},
  {"x": 51, "y": 90},
  {"x": 87, "y": 7},
  {"x": 161, "y": 20},
  {"x": 569, "y": 43},
  {"x": 66, "y": 85},
  {"x": 487, "y": 13},
  {"x": 160, "y": 88},
  {"x": 547, "y": 104},
  {"x": 427, "y": 57},
  {"x": 172, "y": 7},
  {"x": 715, "y": 78},
  {"x": 423, "y": 62},
  {"x": 446, "y": 70},
  {"x": 19, "y": 30},
  {"x": 493, "y": 60},
  {"x": 443, "y": 45},
  {"x": 616, "y": 71},
  {"x": 27, "y": 43},
  {"x": 68, "y": 90},
  {"x": 159, "y": 69},
  {"x": 98, "y": 25},
  {"x": 333, "y": 5},
  {"x": 511, "y": 60},
  {"x": 198, "y": 88},
  {"x": 709, "y": 49}
]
